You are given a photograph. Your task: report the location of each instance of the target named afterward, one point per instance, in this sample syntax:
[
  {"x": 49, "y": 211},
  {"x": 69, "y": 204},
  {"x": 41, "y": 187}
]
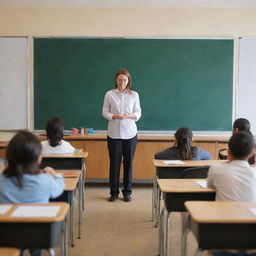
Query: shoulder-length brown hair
[
  {"x": 124, "y": 71},
  {"x": 22, "y": 155}
]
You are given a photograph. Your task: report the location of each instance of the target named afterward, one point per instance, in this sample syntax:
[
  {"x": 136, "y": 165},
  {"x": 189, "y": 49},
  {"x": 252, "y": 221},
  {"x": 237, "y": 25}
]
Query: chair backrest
[
  {"x": 195, "y": 172},
  {"x": 170, "y": 172},
  {"x": 223, "y": 154}
]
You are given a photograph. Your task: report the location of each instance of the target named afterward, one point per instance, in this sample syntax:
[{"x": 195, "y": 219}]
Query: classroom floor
[{"x": 123, "y": 229}]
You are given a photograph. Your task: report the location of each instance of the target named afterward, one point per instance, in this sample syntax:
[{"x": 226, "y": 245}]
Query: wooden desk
[
  {"x": 164, "y": 171},
  {"x": 189, "y": 163},
  {"x": 34, "y": 232},
  {"x": 65, "y": 161},
  {"x": 148, "y": 144},
  {"x": 223, "y": 225},
  {"x": 9, "y": 252},
  {"x": 176, "y": 192},
  {"x": 72, "y": 181},
  {"x": 75, "y": 161}
]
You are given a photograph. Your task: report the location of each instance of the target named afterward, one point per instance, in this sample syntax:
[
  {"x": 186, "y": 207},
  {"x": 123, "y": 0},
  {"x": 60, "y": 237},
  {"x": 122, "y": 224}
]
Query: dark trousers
[{"x": 118, "y": 149}]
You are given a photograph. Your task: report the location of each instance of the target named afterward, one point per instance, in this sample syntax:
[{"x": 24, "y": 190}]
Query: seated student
[
  {"x": 22, "y": 181},
  {"x": 55, "y": 143},
  {"x": 183, "y": 149},
  {"x": 240, "y": 124},
  {"x": 236, "y": 180}
]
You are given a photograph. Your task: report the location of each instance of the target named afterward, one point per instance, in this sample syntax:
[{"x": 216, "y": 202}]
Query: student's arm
[
  {"x": 56, "y": 182},
  {"x": 203, "y": 154},
  {"x": 165, "y": 154}
]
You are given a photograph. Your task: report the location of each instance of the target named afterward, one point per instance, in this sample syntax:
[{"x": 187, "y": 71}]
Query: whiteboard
[
  {"x": 246, "y": 93},
  {"x": 13, "y": 83}
]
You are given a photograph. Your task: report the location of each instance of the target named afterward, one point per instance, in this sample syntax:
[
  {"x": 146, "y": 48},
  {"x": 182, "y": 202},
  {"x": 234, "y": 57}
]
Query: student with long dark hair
[
  {"x": 121, "y": 108},
  {"x": 55, "y": 143},
  {"x": 22, "y": 181},
  {"x": 183, "y": 149}
]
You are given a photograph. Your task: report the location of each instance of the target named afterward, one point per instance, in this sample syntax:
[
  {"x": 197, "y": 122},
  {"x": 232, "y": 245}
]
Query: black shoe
[
  {"x": 127, "y": 198},
  {"x": 112, "y": 198}
]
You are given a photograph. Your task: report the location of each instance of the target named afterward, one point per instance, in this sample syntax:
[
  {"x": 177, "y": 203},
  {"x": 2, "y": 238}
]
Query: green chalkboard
[{"x": 181, "y": 82}]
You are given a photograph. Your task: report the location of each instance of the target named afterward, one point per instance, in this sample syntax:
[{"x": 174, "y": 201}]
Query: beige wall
[
  {"x": 126, "y": 22},
  {"x": 130, "y": 22}
]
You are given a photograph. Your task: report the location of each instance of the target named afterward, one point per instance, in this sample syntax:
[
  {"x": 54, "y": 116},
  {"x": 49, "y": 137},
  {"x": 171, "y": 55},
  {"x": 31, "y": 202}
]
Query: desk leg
[
  {"x": 184, "y": 242},
  {"x": 166, "y": 239},
  {"x": 80, "y": 210},
  {"x": 160, "y": 233},
  {"x": 83, "y": 179},
  {"x": 51, "y": 252},
  {"x": 154, "y": 198},
  {"x": 64, "y": 240},
  {"x": 72, "y": 215},
  {"x": 158, "y": 201},
  {"x": 185, "y": 220}
]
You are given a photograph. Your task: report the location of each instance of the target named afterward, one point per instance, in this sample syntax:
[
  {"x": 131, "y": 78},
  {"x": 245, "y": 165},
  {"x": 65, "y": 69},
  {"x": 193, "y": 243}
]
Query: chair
[{"x": 195, "y": 172}]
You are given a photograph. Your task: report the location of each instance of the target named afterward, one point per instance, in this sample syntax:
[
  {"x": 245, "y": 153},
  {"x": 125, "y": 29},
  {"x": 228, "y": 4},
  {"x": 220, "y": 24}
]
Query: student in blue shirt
[
  {"x": 22, "y": 181},
  {"x": 2, "y": 164},
  {"x": 183, "y": 149}
]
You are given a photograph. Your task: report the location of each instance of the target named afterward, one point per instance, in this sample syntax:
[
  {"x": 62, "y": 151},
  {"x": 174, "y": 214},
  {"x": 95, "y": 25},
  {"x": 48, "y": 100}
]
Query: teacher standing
[{"x": 122, "y": 108}]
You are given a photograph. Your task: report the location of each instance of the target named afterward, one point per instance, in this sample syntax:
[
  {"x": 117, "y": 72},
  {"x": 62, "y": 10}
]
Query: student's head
[
  {"x": 241, "y": 124},
  {"x": 23, "y": 155},
  {"x": 183, "y": 141},
  {"x": 123, "y": 80},
  {"x": 54, "y": 130},
  {"x": 241, "y": 146}
]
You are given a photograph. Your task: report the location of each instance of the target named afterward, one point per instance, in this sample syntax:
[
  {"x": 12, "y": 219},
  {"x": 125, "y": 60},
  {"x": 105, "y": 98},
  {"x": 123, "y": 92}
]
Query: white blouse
[
  {"x": 64, "y": 148},
  {"x": 115, "y": 103}
]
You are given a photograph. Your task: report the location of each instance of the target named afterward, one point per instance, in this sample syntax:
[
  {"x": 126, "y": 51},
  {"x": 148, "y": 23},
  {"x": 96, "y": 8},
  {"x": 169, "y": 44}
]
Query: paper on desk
[
  {"x": 36, "y": 211},
  {"x": 173, "y": 162},
  {"x": 253, "y": 210},
  {"x": 202, "y": 183},
  {"x": 4, "y": 208},
  {"x": 79, "y": 150}
]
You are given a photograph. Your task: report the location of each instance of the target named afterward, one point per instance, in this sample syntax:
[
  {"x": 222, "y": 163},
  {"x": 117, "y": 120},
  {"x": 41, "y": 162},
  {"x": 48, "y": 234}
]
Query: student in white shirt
[
  {"x": 236, "y": 180},
  {"x": 122, "y": 108},
  {"x": 55, "y": 143}
]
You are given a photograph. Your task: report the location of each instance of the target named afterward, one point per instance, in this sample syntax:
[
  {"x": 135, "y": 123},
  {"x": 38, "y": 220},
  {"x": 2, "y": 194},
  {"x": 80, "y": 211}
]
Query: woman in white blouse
[{"x": 121, "y": 108}]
